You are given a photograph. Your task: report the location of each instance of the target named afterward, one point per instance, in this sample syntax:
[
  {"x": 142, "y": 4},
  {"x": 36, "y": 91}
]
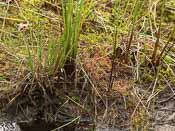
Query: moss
[
  {"x": 166, "y": 73},
  {"x": 93, "y": 38},
  {"x": 140, "y": 120},
  {"x": 2, "y": 77}
]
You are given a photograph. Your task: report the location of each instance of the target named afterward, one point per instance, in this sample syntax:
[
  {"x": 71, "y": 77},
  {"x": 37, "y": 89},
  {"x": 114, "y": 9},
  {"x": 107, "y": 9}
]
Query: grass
[
  {"x": 60, "y": 51},
  {"x": 101, "y": 43},
  {"x": 69, "y": 39}
]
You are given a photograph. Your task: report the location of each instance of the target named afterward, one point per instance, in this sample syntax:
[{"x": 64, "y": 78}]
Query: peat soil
[
  {"x": 111, "y": 110},
  {"x": 97, "y": 107}
]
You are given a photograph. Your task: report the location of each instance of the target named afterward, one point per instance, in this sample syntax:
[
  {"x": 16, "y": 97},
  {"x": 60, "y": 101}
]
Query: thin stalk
[
  {"x": 127, "y": 5},
  {"x": 136, "y": 10},
  {"x": 64, "y": 125},
  {"x": 154, "y": 55},
  {"x": 171, "y": 36},
  {"x": 77, "y": 28},
  {"x": 30, "y": 60},
  {"x": 72, "y": 27},
  {"x": 116, "y": 26}
]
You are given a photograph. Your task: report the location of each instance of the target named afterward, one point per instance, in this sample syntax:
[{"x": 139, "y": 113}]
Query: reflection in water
[
  {"x": 36, "y": 126},
  {"x": 42, "y": 126},
  {"x": 8, "y": 125}
]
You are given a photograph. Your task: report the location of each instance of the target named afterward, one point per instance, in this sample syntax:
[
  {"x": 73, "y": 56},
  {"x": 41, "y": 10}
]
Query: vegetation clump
[{"x": 83, "y": 62}]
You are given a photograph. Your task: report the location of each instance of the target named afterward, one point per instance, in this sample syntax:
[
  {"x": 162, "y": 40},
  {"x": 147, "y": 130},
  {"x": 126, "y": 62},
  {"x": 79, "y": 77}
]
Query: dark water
[
  {"x": 24, "y": 127},
  {"x": 36, "y": 126},
  {"x": 10, "y": 125},
  {"x": 45, "y": 127}
]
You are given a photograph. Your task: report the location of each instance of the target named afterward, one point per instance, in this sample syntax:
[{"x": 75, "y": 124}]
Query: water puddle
[
  {"x": 13, "y": 126},
  {"x": 9, "y": 125}
]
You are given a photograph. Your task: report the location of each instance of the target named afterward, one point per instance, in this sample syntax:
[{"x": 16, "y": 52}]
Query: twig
[
  {"x": 163, "y": 101},
  {"x": 66, "y": 124}
]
